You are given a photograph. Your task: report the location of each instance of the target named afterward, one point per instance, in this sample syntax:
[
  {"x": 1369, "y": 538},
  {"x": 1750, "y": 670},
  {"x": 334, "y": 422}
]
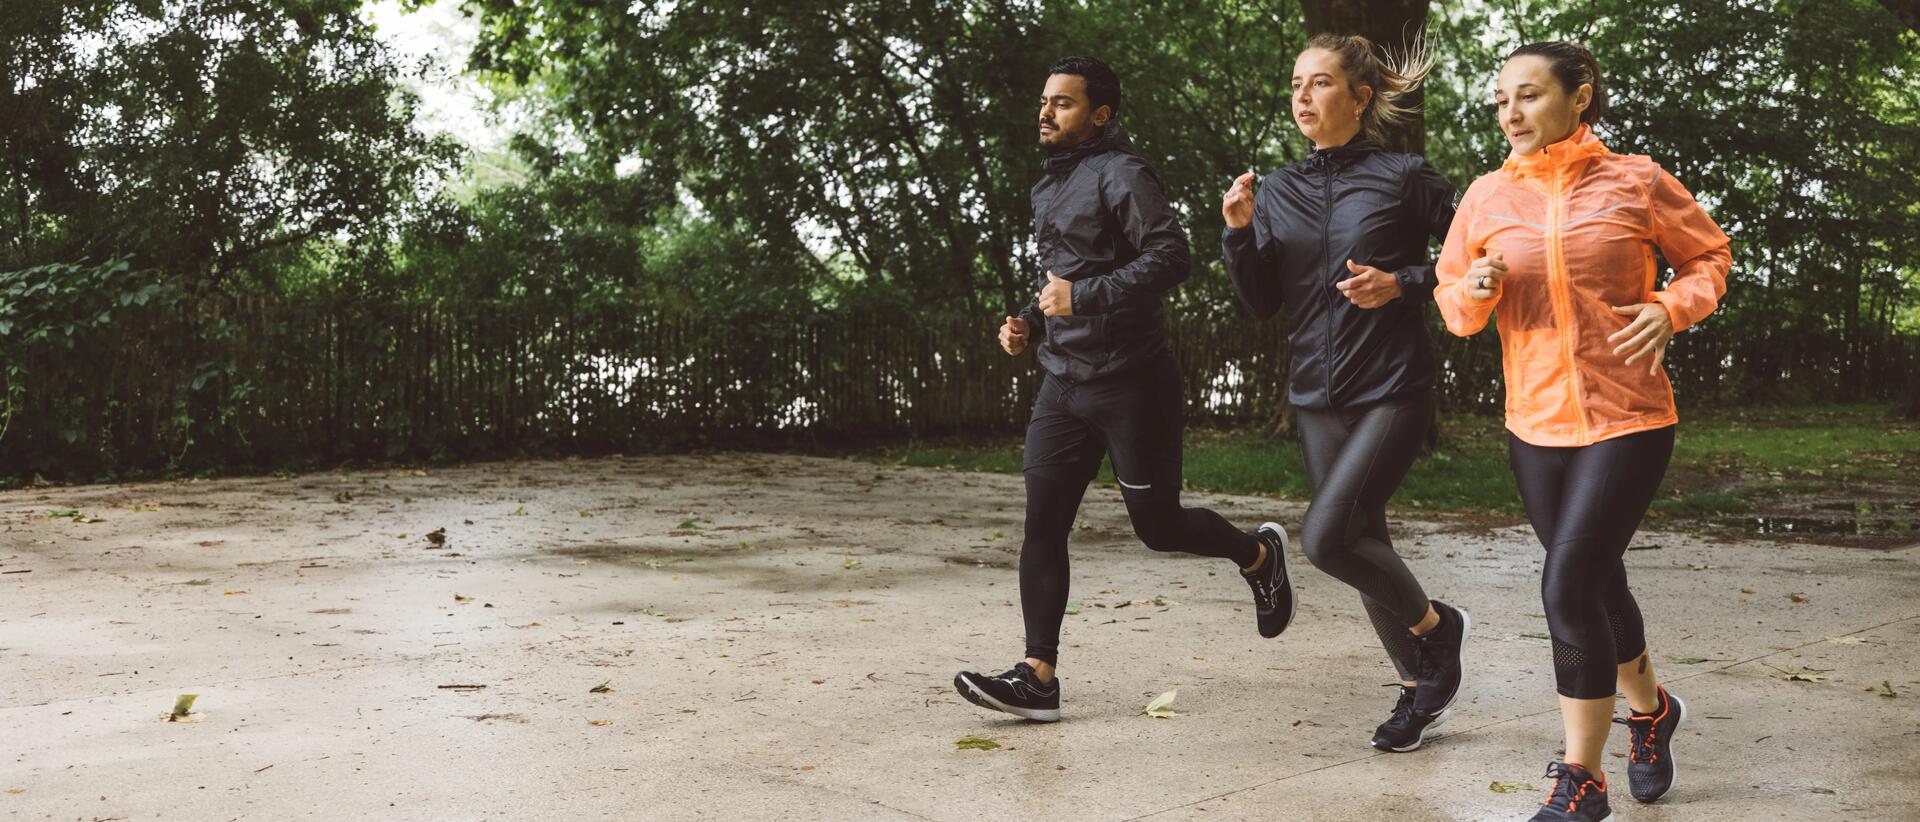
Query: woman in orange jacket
[{"x": 1561, "y": 243}]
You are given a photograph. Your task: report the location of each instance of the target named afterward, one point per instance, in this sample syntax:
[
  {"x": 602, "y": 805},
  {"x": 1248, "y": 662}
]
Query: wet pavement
[{"x": 774, "y": 637}]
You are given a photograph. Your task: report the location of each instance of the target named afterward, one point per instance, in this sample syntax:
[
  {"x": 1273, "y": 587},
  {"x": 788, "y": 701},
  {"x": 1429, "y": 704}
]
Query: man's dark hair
[{"x": 1103, "y": 86}]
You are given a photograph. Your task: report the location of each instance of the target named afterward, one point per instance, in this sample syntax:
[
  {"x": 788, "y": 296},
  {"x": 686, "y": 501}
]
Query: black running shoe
[
  {"x": 1272, "y": 588},
  {"x": 1407, "y": 729},
  {"x": 1650, "y": 747},
  {"x": 1442, "y": 662},
  {"x": 1018, "y": 692},
  {"x": 1576, "y": 796}
]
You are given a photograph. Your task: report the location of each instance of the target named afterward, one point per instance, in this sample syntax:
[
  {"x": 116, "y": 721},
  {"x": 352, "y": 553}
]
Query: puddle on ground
[
  {"x": 981, "y": 562},
  {"x": 649, "y": 555},
  {"x": 1864, "y": 523}
]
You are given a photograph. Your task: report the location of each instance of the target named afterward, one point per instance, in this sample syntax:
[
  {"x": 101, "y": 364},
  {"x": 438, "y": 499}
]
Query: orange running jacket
[{"x": 1577, "y": 226}]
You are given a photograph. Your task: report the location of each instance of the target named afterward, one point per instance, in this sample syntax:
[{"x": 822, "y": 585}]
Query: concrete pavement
[{"x": 777, "y": 634}]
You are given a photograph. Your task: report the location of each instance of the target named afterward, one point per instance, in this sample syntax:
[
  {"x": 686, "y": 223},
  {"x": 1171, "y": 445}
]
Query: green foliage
[
  {"x": 217, "y": 154},
  {"x": 221, "y": 242}
]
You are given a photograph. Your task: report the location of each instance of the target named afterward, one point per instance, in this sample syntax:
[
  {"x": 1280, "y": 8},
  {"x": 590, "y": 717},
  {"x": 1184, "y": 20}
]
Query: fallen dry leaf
[{"x": 1162, "y": 706}]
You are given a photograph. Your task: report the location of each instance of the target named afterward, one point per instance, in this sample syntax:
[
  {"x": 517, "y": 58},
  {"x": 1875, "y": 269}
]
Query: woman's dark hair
[
  {"x": 1573, "y": 65},
  {"x": 1103, "y": 86}
]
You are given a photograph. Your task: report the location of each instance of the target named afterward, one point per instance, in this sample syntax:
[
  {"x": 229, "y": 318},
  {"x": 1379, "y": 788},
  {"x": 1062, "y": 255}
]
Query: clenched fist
[
  {"x": 1056, "y": 300},
  {"x": 1237, "y": 205},
  {"x": 1013, "y": 335},
  {"x": 1484, "y": 276}
]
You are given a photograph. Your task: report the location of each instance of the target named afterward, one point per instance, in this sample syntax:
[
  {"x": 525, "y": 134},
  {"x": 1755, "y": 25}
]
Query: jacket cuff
[
  {"x": 1416, "y": 282},
  {"x": 1080, "y": 297},
  {"x": 1671, "y": 302},
  {"x": 1237, "y": 236}
]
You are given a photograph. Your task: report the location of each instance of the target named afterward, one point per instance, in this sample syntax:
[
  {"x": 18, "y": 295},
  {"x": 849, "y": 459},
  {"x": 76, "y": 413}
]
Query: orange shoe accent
[{"x": 1578, "y": 227}]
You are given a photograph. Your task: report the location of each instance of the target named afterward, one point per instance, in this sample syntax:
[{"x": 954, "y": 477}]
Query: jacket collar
[
  {"x": 1567, "y": 154},
  {"x": 1342, "y": 156},
  {"x": 1110, "y": 137}
]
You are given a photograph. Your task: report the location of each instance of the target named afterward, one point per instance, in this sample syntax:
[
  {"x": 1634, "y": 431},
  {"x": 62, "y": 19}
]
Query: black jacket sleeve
[
  {"x": 1431, "y": 199},
  {"x": 1133, "y": 193},
  {"x": 1253, "y": 263},
  {"x": 1036, "y": 322}
]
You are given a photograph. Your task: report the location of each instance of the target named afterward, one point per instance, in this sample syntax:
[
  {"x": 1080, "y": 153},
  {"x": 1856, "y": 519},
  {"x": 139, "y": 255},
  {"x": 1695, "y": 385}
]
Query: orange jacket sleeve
[
  {"x": 1464, "y": 315},
  {"x": 1696, "y": 248}
]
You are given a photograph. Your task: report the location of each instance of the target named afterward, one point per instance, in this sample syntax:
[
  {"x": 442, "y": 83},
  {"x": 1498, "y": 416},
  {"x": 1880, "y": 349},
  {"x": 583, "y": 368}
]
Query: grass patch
[{"x": 1725, "y": 462}]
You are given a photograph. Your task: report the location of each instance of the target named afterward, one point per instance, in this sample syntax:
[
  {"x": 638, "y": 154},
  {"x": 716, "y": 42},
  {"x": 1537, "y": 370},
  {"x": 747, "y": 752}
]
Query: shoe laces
[
  {"x": 1568, "y": 787},
  {"x": 1429, "y": 653},
  {"x": 1641, "y": 735},
  {"x": 1403, "y": 708},
  {"x": 1264, "y": 585}
]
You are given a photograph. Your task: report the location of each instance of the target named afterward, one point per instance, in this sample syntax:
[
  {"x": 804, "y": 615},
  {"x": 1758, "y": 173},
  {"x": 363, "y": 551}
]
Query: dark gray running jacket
[{"x": 1101, "y": 219}]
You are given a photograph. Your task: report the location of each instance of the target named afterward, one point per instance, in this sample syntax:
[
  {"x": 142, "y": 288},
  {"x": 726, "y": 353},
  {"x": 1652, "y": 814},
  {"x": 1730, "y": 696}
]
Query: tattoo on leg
[{"x": 1643, "y": 662}]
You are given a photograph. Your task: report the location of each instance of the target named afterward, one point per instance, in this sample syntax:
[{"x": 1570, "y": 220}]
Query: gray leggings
[{"x": 1356, "y": 458}]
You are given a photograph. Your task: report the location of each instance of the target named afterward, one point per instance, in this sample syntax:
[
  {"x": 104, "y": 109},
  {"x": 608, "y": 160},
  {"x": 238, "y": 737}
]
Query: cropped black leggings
[{"x": 1585, "y": 504}]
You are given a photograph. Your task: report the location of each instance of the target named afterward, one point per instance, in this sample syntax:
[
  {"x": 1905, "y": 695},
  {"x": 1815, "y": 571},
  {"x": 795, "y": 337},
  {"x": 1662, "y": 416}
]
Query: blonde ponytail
[{"x": 1394, "y": 79}]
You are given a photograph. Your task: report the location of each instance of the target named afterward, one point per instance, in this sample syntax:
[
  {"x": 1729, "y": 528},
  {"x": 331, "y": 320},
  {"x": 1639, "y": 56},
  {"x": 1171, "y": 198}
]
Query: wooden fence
[{"x": 262, "y": 384}]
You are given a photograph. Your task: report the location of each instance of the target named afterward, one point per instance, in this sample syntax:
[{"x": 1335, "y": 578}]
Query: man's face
[{"x": 1066, "y": 117}]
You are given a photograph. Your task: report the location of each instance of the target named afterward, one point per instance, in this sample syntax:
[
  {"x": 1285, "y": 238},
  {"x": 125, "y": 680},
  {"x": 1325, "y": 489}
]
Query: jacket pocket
[{"x": 1080, "y": 338}]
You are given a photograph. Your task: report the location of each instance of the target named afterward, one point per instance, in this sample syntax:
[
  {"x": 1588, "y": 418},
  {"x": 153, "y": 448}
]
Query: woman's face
[
  {"x": 1535, "y": 110},
  {"x": 1325, "y": 111}
]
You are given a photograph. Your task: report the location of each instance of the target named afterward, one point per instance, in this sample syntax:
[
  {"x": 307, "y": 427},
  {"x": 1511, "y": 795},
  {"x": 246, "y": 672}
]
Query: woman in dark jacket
[{"x": 1340, "y": 239}]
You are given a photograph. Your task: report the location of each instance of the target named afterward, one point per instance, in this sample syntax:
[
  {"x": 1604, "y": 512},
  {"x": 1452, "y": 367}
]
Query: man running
[{"x": 1109, "y": 245}]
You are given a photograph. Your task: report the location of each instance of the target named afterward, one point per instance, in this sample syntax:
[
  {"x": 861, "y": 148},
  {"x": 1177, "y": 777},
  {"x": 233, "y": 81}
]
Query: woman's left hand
[{"x": 1649, "y": 332}]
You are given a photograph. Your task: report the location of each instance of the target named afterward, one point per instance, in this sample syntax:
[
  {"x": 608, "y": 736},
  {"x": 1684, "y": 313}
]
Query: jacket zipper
[
  {"x": 1326, "y": 253},
  {"x": 1563, "y": 302}
]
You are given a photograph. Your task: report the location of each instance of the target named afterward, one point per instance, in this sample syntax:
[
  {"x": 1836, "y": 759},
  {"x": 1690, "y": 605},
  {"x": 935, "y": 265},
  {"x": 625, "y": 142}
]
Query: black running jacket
[{"x": 1358, "y": 202}]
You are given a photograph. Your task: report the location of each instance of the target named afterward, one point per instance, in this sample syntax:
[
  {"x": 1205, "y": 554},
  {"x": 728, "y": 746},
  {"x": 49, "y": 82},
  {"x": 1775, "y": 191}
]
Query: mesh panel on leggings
[
  {"x": 1629, "y": 637},
  {"x": 1568, "y": 661},
  {"x": 1394, "y": 637}
]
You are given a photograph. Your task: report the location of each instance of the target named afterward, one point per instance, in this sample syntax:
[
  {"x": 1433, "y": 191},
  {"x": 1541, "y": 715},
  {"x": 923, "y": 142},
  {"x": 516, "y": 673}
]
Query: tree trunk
[
  {"x": 1391, "y": 25},
  {"x": 1907, "y": 10}
]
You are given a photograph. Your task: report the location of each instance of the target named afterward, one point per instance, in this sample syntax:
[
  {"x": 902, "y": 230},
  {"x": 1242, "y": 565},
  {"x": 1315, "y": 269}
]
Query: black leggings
[
  {"x": 1134, "y": 418},
  {"x": 1355, "y": 459},
  {"x": 1585, "y": 503}
]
